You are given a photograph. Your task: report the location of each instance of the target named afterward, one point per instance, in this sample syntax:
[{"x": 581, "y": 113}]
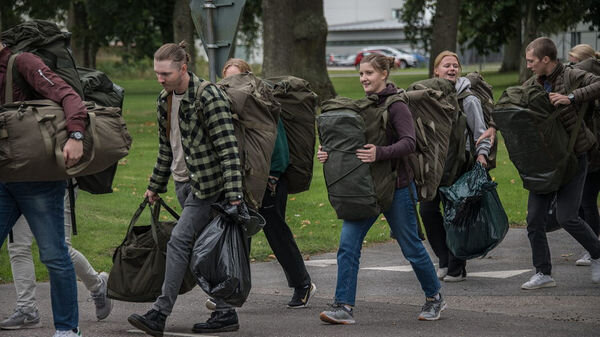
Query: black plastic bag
[
  {"x": 221, "y": 259},
  {"x": 474, "y": 218}
]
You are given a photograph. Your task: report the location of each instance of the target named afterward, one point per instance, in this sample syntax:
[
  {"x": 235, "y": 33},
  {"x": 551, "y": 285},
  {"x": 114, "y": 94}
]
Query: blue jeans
[
  {"x": 42, "y": 204},
  {"x": 403, "y": 222}
]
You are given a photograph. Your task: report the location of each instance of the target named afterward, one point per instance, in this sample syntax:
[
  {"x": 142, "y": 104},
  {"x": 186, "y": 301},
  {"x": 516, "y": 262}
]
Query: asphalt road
[{"x": 489, "y": 303}]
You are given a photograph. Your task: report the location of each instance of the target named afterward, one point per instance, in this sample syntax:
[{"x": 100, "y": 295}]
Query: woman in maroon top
[{"x": 374, "y": 72}]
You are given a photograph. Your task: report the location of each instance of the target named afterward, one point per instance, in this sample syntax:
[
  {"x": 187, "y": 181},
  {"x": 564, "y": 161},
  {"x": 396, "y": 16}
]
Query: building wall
[{"x": 351, "y": 11}]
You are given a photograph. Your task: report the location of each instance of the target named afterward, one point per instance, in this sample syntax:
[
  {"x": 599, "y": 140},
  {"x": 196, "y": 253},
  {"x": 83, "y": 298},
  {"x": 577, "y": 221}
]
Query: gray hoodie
[{"x": 475, "y": 119}]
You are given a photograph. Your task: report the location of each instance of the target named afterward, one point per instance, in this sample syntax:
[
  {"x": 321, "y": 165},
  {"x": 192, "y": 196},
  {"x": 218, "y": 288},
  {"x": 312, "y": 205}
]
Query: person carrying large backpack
[
  {"x": 273, "y": 206},
  {"x": 447, "y": 66},
  {"x": 569, "y": 88},
  {"x": 584, "y": 57},
  {"x": 42, "y": 202},
  {"x": 197, "y": 145},
  {"x": 401, "y": 216}
]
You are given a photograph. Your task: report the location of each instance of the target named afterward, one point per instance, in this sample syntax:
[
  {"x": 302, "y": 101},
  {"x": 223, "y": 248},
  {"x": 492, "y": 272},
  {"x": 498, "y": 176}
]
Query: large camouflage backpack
[
  {"x": 255, "y": 117},
  {"x": 53, "y": 46},
  {"x": 356, "y": 190},
  {"x": 98, "y": 88},
  {"x": 537, "y": 142},
  {"x": 456, "y": 158},
  {"x": 298, "y": 110},
  {"x": 483, "y": 91},
  {"x": 433, "y": 113}
]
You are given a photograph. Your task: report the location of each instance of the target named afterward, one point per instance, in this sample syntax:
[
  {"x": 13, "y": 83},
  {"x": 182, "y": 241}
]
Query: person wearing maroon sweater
[
  {"x": 401, "y": 216},
  {"x": 42, "y": 203}
]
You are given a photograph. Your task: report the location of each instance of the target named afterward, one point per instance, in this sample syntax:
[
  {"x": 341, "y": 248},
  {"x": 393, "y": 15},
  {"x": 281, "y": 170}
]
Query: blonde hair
[
  {"x": 174, "y": 52},
  {"x": 379, "y": 62},
  {"x": 438, "y": 60},
  {"x": 583, "y": 52},
  {"x": 242, "y": 65}
]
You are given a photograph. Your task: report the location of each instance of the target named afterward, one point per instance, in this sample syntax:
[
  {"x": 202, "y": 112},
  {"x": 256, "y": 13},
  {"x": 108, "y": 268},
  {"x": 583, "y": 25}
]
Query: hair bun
[{"x": 182, "y": 44}]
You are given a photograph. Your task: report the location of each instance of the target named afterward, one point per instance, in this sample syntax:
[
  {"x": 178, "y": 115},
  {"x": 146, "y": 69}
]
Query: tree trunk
[
  {"x": 445, "y": 29},
  {"x": 529, "y": 34},
  {"x": 77, "y": 24},
  {"x": 511, "y": 59},
  {"x": 294, "y": 35},
  {"x": 183, "y": 29}
]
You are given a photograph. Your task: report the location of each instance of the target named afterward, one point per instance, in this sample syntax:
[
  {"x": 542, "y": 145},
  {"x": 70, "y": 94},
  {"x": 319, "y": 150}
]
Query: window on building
[
  {"x": 575, "y": 38},
  {"x": 396, "y": 12}
]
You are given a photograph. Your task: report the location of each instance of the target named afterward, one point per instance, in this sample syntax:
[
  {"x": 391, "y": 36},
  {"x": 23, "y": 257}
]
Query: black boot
[
  {"x": 219, "y": 321},
  {"x": 152, "y": 322}
]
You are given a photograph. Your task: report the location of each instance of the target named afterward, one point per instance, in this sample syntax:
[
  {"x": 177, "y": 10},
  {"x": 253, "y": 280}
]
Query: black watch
[
  {"x": 571, "y": 98},
  {"x": 77, "y": 135}
]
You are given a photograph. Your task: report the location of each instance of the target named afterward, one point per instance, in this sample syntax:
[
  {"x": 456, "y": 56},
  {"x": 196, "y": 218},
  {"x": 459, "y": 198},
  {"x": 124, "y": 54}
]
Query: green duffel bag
[
  {"x": 536, "y": 140},
  {"x": 138, "y": 269},
  {"x": 298, "y": 111},
  {"x": 33, "y": 134},
  {"x": 356, "y": 190}
]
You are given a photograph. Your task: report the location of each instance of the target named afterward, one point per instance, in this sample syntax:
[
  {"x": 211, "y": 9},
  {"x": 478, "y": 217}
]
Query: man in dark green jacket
[{"x": 570, "y": 87}]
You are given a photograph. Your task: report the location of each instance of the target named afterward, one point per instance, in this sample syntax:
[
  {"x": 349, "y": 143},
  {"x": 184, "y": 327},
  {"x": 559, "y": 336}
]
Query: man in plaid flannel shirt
[{"x": 197, "y": 146}]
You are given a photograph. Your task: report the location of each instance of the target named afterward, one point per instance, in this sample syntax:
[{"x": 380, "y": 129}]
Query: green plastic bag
[{"x": 474, "y": 218}]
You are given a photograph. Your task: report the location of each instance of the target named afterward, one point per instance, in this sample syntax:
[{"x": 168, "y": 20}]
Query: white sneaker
[
  {"x": 585, "y": 260},
  {"x": 103, "y": 304},
  {"x": 441, "y": 273},
  {"x": 595, "y": 264},
  {"x": 538, "y": 281},
  {"x": 68, "y": 333}
]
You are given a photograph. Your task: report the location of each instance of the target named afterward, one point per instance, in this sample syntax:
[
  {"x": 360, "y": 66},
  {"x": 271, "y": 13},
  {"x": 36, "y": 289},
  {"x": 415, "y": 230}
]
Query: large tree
[
  {"x": 183, "y": 28},
  {"x": 437, "y": 36},
  {"x": 294, "y": 35}
]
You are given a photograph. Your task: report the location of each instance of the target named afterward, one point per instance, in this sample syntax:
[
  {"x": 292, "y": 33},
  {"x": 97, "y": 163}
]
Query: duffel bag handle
[
  {"x": 136, "y": 216},
  {"x": 169, "y": 209}
]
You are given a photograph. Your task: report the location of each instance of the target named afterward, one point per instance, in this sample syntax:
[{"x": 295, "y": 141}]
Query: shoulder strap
[{"x": 8, "y": 87}]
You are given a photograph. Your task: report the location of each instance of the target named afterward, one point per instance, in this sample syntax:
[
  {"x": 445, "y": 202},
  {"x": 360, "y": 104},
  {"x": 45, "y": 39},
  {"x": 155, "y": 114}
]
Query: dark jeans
[
  {"x": 568, "y": 200},
  {"x": 280, "y": 236},
  {"x": 589, "y": 201},
  {"x": 436, "y": 234}
]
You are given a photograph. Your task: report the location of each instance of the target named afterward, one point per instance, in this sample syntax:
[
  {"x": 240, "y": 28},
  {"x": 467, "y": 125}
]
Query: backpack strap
[
  {"x": 8, "y": 87},
  {"x": 569, "y": 88}
]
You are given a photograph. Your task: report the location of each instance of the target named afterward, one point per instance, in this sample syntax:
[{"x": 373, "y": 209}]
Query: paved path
[{"x": 489, "y": 303}]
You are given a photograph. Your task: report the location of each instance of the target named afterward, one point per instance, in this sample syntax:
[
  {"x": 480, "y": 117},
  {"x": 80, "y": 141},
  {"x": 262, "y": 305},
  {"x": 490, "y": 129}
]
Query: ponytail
[{"x": 175, "y": 52}]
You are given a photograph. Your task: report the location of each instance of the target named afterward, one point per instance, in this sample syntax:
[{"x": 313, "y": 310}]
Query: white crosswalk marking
[
  {"x": 321, "y": 263},
  {"x": 501, "y": 274}
]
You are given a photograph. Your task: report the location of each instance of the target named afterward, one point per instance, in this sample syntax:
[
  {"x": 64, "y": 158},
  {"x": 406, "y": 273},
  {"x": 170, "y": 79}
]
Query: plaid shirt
[{"x": 208, "y": 140}]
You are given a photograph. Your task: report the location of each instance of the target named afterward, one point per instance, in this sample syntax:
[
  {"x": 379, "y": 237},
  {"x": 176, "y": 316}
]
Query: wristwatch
[
  {"x": 77, "y": 135},
  {"x": 571, "y": 98}
]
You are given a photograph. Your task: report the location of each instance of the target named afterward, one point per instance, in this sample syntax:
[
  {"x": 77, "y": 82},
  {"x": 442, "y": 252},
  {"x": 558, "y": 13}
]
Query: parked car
[
  {"x": 361, "y": 54},
  {"x": 340, "y": 60},
  {"x": 403, "y": 60}
]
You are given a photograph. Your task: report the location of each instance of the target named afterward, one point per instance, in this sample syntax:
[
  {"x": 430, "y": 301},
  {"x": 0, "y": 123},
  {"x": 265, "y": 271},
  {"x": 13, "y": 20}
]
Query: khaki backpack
[
  {"x": 255, "y": 117},
  {"x": 356, "y": 190},
  {"x": 433, "y": 114},
  {"x": 456, "y": 160},
  {"x": 298, "y": 111}
]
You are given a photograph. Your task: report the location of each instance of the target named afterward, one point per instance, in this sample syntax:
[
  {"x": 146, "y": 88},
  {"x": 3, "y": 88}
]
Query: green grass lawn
[{"x": 103, "y": 219}]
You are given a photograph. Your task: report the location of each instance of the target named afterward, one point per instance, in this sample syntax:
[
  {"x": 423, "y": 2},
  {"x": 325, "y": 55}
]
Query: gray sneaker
[
  {"x": 103, "y": 304},
  {"x": 585, "y": 260},
  {"x": 595, "y": 270},
  {"x": 338, "y": 314},
  {"x": 22, "y": 318},
  {"x": 538, "y": 281},
  {"x": 432, "y": 309}
]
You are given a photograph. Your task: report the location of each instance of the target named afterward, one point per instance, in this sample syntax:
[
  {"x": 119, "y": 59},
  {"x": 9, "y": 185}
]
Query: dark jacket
[
  {"x": 46, "y": 84},
  {"x": 280, "y": 159},
  {"x": 401, "y": 134},
  {"x": 586, "y": 89}
]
